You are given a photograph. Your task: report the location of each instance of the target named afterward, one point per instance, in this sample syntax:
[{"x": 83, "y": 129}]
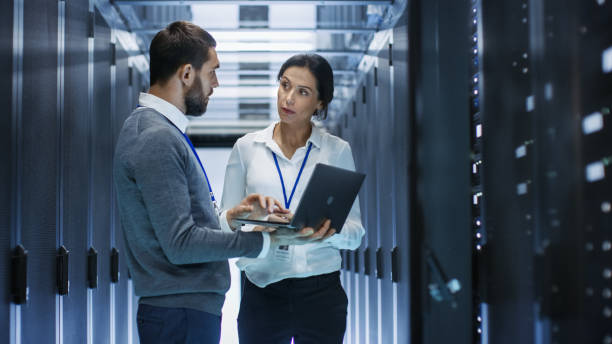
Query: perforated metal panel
[
  {"x": 102, "y": 140},
  {"x": 362, "y": 151},
  {"x": 123, "y": 109},
  {"x": 6, "y": 167},
  {"x": 402, "y": 189},
  {"x": 369, "y": 155},
  {"x": 75, "y": 173},
  {"x": 385, "y": 155},
  {"x": 40, "y": 178}
]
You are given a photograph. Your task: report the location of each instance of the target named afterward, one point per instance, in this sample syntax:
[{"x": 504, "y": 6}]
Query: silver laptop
[{"x": 329, "y": 194}]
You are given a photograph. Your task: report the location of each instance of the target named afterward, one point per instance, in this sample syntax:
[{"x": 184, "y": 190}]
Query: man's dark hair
[
  {"x": 178, "y": 44},
  {"x": 322, "y": 71}
]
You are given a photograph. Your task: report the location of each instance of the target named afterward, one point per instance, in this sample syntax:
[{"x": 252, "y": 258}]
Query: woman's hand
[{"x": 306, "y": 235}]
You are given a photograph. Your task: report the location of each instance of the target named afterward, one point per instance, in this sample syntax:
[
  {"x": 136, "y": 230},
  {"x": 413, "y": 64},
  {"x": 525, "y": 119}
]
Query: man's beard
[{"x": 195, "y": 102}]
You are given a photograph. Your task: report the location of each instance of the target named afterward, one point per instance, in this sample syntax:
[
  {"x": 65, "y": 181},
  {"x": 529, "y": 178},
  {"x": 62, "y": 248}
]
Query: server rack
[
  {"x": 376, "y": 275},
  {"x": 6, "y": 169},
  {"x": 548, "y": 245},
  {"x": 68, "y": 91}
]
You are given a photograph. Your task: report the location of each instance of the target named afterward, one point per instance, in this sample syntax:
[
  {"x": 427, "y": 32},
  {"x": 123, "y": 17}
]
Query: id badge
[
  {"x": 215, "y": 205},
  {"x": 283, "y": 253}
]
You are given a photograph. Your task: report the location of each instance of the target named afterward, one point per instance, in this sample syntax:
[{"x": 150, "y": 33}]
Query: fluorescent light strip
[
  {"x": 242, "y": 35},
  {"x": 272, "y": 72},
  {"x": 245, "y": 92},
  {"x": 250, "y": 2},
  {"x": 283, "y": 33},
  {"x": 276, "y": 56},
  {"x": 259, "y": 46}
]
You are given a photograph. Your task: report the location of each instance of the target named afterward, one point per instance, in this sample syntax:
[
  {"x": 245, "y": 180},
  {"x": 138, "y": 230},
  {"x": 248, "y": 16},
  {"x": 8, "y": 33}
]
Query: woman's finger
[
  {"x": 269, "y": 205},
  {"x": 264, "y": 229},
  {"x": 262, "y": 202},
  {"x": 240, "y": 209},
  {"x": 259, "y": 229},
  {"x": 322, "y": 230},
  {"x": 279, "y": 206},
  {"x": 277, "y": 218},
  {"x": 331, "y": 232},
  {"x": 306, "y": 231}
]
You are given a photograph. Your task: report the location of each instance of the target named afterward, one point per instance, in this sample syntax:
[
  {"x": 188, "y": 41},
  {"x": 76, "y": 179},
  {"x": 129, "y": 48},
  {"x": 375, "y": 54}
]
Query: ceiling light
[
  {"x": 242, "y": 35},
  {"x": 238, "y": 47}
]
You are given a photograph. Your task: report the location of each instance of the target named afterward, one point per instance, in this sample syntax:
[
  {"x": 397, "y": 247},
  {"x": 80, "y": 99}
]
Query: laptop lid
[{"x": 329, "y": 194}]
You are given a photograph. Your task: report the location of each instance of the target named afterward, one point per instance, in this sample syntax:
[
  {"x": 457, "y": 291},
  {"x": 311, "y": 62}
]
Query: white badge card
[
  {"x": 218, "y": 210},
  {"x": 283, "y": 253}
]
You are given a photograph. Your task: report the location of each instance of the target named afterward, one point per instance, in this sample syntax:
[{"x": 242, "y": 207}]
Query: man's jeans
[{"x": 161, "y": 325}]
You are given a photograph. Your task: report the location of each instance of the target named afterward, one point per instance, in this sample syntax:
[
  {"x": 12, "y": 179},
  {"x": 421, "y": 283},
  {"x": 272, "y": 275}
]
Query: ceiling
[{"x": 255, "y": 37}]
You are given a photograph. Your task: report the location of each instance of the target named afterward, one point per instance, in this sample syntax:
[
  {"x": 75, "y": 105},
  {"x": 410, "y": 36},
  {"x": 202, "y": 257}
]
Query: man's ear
[{"x": 186, "y": 74}]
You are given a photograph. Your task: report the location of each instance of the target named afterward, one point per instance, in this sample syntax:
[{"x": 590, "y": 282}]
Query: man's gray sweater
[{"x": 176, "y": 253}]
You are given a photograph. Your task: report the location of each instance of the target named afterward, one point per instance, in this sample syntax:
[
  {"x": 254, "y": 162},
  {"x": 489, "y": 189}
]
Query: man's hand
[
  {"x": 306, "y": 235},
  {"x": 275, "y": 217},
  {"x": 256, "y": 206}
]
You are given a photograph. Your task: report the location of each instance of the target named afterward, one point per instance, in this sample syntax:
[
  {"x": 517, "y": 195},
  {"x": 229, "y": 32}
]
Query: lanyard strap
[
  {"x": 288, "y": 202},
  {"x": 212, "y": 195}
]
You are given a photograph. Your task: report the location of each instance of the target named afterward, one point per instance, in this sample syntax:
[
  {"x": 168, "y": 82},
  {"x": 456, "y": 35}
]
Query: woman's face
[{"x": 297, "y": 97}]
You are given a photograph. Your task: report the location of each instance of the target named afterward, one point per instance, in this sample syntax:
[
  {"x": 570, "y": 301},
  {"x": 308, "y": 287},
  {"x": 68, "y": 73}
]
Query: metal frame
[
  {"x": 60, "y": 168},
  {"x": 16, "y": 151}
]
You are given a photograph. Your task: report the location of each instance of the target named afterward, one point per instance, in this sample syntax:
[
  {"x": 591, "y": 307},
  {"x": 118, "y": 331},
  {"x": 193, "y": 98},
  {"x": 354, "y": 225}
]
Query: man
[{"x": 176, "y": 252}]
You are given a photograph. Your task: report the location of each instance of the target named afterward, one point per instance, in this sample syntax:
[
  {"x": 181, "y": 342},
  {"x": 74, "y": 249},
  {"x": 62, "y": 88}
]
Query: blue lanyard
[
  {"x": 212, "y": 195},
  {"x": 288, "y": 202}
]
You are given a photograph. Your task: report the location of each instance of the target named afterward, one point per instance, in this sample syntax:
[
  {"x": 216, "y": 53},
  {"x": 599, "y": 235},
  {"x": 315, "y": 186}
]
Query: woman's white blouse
[{"x": 251, "y": 169}]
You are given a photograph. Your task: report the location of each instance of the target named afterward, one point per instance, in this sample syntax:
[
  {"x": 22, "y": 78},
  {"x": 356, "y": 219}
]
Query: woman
[{"x": 294, "y": 291}]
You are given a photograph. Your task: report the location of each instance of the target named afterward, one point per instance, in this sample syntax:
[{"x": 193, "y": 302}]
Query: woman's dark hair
[
  {"x": 178, "y": 44},
  {"x": 322, "y": 71}
]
